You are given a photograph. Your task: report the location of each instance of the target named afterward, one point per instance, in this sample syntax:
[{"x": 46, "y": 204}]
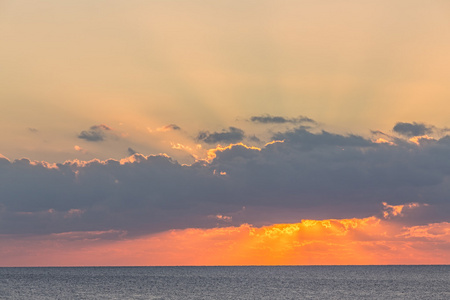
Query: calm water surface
[{"x": 298, "y": 282}]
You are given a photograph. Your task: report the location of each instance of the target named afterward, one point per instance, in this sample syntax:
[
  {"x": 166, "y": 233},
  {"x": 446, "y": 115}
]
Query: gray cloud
[
  {"x": 268, "y": 119},
  {"x": 172, "y": 127},
  {"x": 131, "y": 151},
  {"x": 309, "y": 175},
  {"x": 232, "y": 135},
  {"x": 92, "y": 136},
  {"x": 301, "y": 137},
  {"x": 95, "y": 134},
  {"x": 412, "y": 129},
  {"x": 254, "y": 138},
  {"x": 33, "y": 130},
  {"x": 101, "y": 127}
]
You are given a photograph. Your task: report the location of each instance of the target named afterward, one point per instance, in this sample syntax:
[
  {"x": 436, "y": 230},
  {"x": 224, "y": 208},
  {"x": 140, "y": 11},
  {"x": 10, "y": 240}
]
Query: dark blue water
[{"x": 298, "y": 282}]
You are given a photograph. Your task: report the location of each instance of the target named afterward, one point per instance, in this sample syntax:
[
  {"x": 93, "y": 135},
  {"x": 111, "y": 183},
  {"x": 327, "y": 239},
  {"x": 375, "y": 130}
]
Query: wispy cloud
[
  {"x": 269, "y": 119},
  {"x": 33, "y": 130},
  {"x": 169, "y": 127},
  {"x": 232, "y": 135},
  {"x": 131, "y": 151}
]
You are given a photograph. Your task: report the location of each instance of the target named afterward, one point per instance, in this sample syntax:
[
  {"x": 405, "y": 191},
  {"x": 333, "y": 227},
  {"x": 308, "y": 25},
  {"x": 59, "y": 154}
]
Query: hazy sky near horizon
[{"x": 125, "y": 123}]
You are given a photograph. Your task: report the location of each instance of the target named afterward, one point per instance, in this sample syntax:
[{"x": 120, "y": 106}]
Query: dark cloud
[
  {"x": 101, "y": 127},
  {"x": 232, "y": 135},
  {"x": 131, "y": 151},
  {"x": 92, "y": 136},
  {"x": 268, "y": 119},
  {"x": 309, "y": 175},
  {"x": 412, "y": 129},
  {"x": 95, "y": 134},
  {"x": 301, "y": 137}
]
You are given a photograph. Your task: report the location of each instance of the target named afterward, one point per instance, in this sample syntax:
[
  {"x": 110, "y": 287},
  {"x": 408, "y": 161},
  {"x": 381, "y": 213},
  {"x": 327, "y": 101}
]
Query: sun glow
[{"x": 310, "y": 242}]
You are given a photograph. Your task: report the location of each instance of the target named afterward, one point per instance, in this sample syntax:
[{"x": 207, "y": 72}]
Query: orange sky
[
  {"x": 311, "y": 242},
  {"x": 137, "y": 65},
  {"x": 115, "y": 118},
  {"x": 384, "y": 238}
]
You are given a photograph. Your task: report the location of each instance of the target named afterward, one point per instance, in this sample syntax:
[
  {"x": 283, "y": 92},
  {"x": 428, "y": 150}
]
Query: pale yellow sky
[{"x": 353, "y": 66}]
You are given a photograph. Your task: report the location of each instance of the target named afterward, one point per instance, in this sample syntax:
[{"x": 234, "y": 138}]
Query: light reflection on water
[{"x": 296, "y": 282}]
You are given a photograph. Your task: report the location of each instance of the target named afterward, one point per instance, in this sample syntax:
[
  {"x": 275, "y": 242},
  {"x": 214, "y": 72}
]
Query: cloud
[
  {"x": 254, "y": 138},
  {"x": 268, "y": 119},
  {"x": 101, "y": 127},
  {"x": 169, "y": 127},
  {"x": 232, "y": 135},
  {"x": 301, "y": 137},
  {"x": 131, "y": 151},
  {"x": 95, "y": 134},
  {"x": 33, "y": 130},
  {"x": 80, "y": 149},
  {"x": 303, "y": 175},
  {"x": 91, "y": 136},
  {"x": 398, "y": 210},
  {"x": 412, "y": 129}
]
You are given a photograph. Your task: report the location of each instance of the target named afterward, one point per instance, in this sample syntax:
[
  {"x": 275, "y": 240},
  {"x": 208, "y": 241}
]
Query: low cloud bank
[{"x": 304, "y": 175}]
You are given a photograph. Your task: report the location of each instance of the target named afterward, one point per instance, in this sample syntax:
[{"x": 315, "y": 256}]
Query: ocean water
[{"x": 259, "y": 282}]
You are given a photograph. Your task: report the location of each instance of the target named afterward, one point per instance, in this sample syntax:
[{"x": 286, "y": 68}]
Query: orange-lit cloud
[
  {"x": 310, "y": 242},
  {"x": 80, "y": 149},
  {"x": 212, "y": 153},
  {"x": 398, "y": 210},
  {"x": 418, "y": 140},
  {"x": 383, "y": 141},
  {"x": 221, "y": 218}
]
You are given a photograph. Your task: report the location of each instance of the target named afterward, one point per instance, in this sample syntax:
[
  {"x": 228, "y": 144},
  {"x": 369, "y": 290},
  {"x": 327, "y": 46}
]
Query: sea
[{"x": 237, "y": 282}]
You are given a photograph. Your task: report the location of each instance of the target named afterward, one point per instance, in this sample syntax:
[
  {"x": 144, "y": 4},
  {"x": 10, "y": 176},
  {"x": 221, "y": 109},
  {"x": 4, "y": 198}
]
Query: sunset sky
[{"x": 224, "y": 132}]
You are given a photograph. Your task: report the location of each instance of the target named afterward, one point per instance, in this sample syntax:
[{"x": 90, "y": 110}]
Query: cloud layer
[{"x": 303, "y": 175}]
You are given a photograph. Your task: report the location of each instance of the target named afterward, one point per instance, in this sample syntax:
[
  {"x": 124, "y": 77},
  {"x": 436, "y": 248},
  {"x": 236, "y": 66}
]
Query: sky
[{"x": 224, "y": 132}]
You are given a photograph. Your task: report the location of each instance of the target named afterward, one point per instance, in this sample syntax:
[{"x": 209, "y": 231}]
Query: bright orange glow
[
  {"x": 211, "y": 154},
  {"x": 311, "y": 242},
  {"x": 273, "y": 142}
]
